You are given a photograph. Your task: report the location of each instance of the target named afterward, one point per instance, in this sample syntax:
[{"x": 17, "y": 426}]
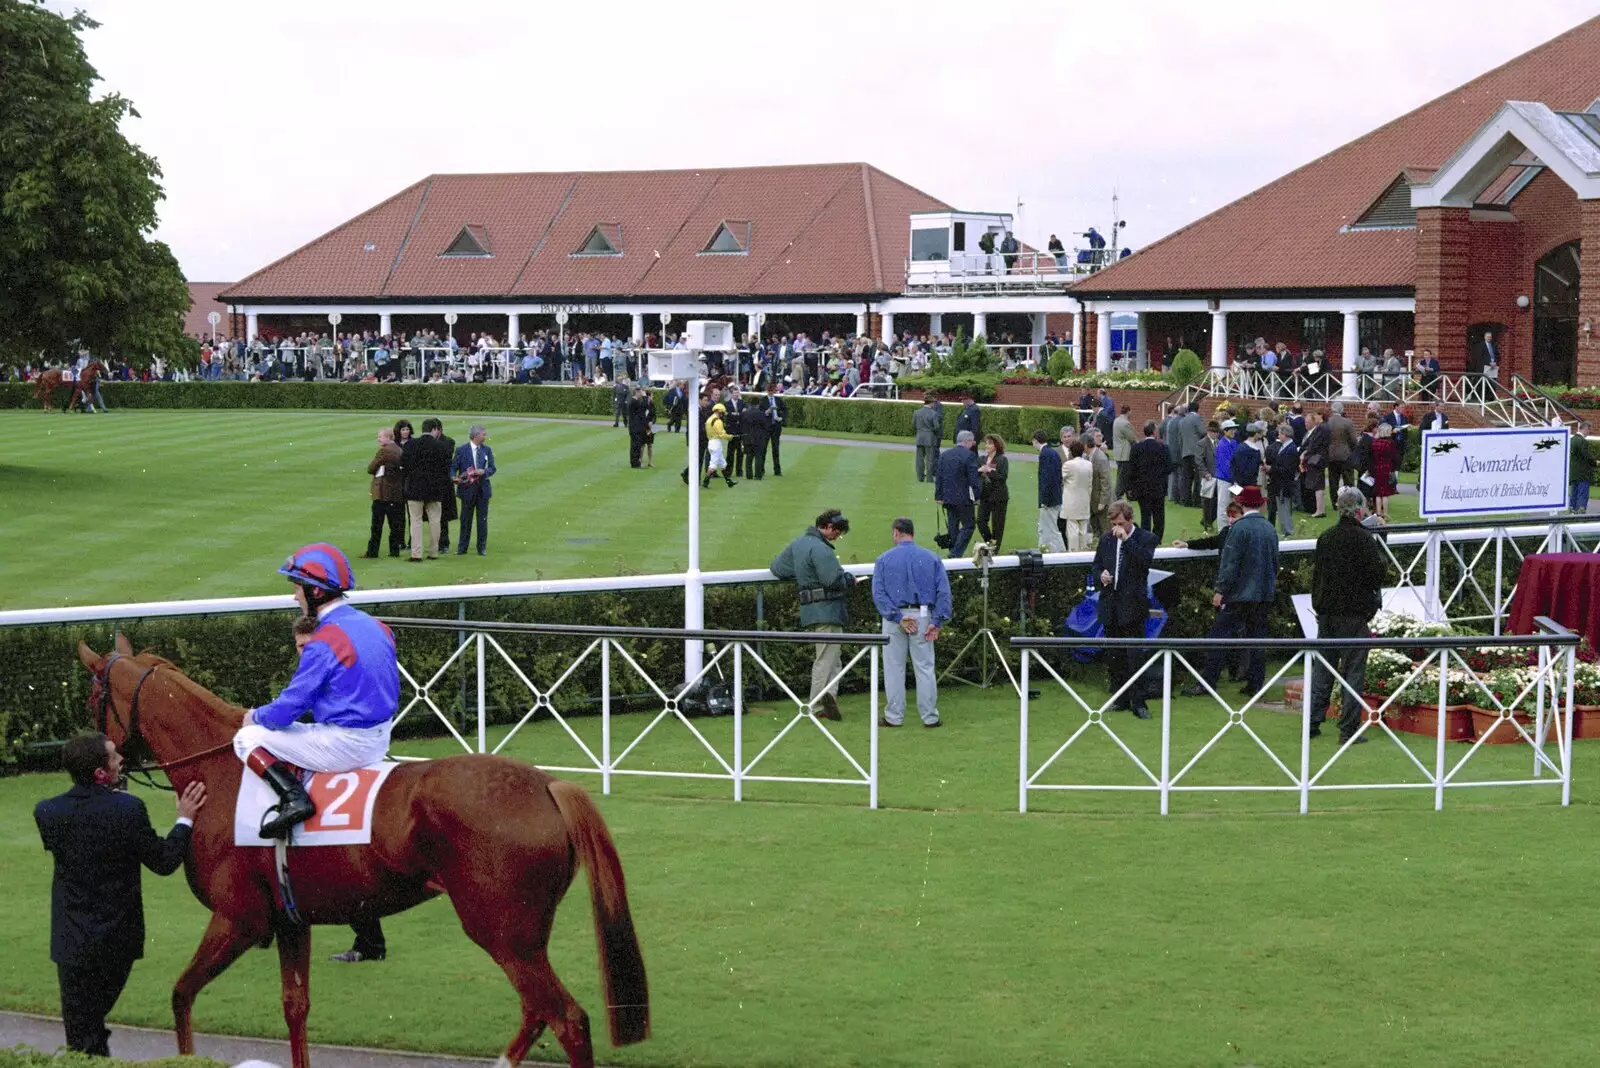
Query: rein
[{"x": 132, "y": 735}]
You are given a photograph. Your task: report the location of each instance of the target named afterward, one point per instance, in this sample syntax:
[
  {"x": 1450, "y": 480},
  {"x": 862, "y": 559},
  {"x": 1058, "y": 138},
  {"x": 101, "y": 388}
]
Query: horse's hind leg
[
  {"x": 546, "y": 1001},
  {"x": 223, "y": 943}
]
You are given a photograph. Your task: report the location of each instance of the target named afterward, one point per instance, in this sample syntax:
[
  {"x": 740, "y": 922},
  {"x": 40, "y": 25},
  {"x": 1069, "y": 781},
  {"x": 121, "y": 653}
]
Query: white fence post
[
  {"x": 1166, "y": 728},
  {"x": 483, "y": 717},
  {"x": 1444, "y": 693},
  {"x": 738, "y": 721},
  {"x": 872, "y": 711},
  {"x": 1305, "y": 732},
  {"x": 605, "y": 715},
  {"x": 1022, "y": 774}
]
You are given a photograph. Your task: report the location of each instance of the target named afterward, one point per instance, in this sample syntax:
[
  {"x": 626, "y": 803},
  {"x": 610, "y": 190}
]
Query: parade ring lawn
[
  {"x": 800, "y": 928},
  {"x": 161, "y": 505}
]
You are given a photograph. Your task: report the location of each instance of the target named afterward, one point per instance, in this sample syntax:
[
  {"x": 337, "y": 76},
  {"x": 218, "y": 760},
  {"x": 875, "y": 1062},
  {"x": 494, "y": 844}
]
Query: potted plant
[
  {"x": 1511, "y": 689},
  {"x": 1420, "y": 701}
]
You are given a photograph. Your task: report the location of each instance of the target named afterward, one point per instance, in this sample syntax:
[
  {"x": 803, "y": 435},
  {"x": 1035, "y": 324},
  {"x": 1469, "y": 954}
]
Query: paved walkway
[{"x": 145, "y": 1044}]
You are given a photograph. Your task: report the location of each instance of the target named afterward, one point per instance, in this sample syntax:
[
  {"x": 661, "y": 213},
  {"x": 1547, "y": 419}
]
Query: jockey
[{"x": 348, "y": 680}]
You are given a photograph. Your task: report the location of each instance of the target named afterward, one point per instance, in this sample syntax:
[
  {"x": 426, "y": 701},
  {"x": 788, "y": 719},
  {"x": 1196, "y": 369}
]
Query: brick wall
[
  {"x": 1444, "y": 249},
  {"x": 1503, "y": 258},
  {"x": 1091, "y": 331},
  {"x": 1589, "y": 294}
]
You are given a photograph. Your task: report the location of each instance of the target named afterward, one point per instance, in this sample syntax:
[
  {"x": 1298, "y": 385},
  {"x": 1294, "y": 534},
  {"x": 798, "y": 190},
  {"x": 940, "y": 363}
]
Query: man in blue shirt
[
  {"x": 912, "y": 594},
  {"x": 348, "y": 679}
]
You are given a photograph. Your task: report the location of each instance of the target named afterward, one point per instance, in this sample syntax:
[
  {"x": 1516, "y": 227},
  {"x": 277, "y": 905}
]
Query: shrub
[
  {"x": 1186, "y": 368},
  {"x": 1060, "y": 364}
]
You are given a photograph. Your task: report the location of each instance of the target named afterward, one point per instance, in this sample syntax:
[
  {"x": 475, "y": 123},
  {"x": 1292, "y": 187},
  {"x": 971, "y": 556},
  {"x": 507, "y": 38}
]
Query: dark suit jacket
[
  {"x": 969, "y": 418},
  {"x": 99, "y": 837},
  {"x": 462, "y": 463},
  {"x": 1435, "y": 421},
  {"x": 427, "y": 463},
  {"x": 955, "y": 479},
  {"x": 1148, "y": 465},
  {"x": 1128, "y": 600},
  {"x": 1049, "y": 477}
]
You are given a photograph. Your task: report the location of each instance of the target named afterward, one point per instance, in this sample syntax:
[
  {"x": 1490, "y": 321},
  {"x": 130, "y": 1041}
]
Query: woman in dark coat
[{"x": 993, "y": 495}]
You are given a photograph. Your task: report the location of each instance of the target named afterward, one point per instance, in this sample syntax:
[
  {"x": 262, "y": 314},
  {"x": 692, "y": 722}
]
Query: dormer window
[
  {"x": 1391, "y": 211},
  {"x": 471, "y": 243},
  {"x": 731, "y": 238},
  {"x": 604, "y": 240}
]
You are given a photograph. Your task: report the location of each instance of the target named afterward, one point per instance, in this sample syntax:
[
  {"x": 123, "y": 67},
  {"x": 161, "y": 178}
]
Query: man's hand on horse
[
  {"x": 249, "y": 718},
  {"x": 191, "y": 801}
]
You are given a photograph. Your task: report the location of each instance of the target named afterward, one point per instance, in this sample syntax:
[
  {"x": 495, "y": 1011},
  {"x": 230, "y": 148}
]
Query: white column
[
  {"x": 1352, "y": 350},
  {"x": 861, "y": 324},
  {"x": 887, "y": 330},
  {"x": 1077, "y": 337},
  {"x": 754, "y": 320},
  {"x": 1102, "y": 341},
  {"x": 637, "y": 331},
  {"x": 1141, "y": 356},
  {"x": 1219, "y": 341},
  {"x": 1037, "y": 319},
  {"x": 250, "y": 326},
  {"x": 384, "y": 324},
  {"x": 936, "y": 323},
  {"x": 513, "y": 329},
  {"x": 980, "y": 324}
]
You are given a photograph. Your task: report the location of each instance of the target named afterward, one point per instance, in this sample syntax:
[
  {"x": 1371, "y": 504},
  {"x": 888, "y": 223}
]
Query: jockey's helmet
[{"x": 320, "y": 565}]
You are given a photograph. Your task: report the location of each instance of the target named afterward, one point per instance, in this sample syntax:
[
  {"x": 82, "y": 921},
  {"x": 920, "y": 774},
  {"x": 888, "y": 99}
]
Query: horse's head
[{"x": 119, "y": 678}]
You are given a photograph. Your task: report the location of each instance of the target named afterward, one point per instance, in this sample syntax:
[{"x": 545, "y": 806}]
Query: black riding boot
[{"x": 294, "y": 806}]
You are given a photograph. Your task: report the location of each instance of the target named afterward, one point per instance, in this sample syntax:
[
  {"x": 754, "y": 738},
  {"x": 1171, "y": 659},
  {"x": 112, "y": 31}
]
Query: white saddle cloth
[{"x": 344, "y": 800}]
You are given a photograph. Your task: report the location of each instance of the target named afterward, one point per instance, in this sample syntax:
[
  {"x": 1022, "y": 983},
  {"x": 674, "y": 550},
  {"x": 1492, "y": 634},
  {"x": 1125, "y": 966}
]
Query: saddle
[{"x": 344, "y": 801}]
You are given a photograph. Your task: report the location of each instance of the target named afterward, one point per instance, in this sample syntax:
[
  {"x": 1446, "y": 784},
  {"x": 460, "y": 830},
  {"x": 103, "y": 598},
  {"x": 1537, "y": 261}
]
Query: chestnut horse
[{"x": 502, "y": 838}]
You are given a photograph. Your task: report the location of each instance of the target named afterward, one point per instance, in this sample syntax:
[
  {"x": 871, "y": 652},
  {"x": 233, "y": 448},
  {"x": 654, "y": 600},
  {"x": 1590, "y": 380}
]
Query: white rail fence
[
  {"x": 608, "y": 647},
  {"x": 1300, "y": 773}
]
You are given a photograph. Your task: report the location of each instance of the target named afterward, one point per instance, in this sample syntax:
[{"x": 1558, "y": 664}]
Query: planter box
[
  {"x": 1483, "y": 721},
  {"x": 1140, "y": 400},
  {"x": 1424, "y": 720}
]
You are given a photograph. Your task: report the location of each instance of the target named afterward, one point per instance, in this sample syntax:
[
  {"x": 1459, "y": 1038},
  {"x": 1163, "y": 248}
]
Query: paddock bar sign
[{"x": 1474, "y": 472}]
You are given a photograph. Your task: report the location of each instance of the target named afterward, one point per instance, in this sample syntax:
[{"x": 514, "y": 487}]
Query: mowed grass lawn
[
  {"x": 151, "y": 505},
  {"x": 800, "y": 928}
]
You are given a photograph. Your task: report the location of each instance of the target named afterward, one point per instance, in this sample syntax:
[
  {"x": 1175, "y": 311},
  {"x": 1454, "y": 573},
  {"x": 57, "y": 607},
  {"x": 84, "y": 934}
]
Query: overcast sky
[{"x": 275, "y": 121}]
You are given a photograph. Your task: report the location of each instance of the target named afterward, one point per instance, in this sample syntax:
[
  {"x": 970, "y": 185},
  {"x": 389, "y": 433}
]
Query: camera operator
[{"x": 813, "y": 563}]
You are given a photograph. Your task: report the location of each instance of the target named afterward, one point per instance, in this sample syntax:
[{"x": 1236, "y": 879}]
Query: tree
[{"x": 77, "y": 205}]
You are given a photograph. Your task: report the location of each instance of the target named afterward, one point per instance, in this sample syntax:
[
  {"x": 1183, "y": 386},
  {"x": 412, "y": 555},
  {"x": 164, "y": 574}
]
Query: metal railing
[
  {"x": 606, "y": 647},
  {"x": 1517, "y": 404},
  {"x": 979, "y": 272},
  {"x": 1550, "y": 687}
]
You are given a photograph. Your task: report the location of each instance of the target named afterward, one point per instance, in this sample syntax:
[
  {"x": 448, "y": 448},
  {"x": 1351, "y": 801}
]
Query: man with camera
[{"x": 813, "y": 563}]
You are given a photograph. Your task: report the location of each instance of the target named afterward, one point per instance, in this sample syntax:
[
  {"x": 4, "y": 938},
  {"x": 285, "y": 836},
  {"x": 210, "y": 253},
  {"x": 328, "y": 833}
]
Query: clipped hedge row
[
  {"x": 885, "y": 418},
  {"x": 45, "y": 690}
]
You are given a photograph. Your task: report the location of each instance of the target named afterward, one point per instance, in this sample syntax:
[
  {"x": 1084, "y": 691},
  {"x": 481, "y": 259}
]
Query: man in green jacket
[
  {"x": 1580, "y": 468},
  {"x": 812, "y": 562}
]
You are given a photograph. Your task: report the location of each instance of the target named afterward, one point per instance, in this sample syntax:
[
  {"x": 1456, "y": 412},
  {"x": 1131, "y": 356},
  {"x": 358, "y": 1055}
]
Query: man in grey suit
[
  {"x": 1191, "y": 437},
  {"x": 926, "y": 423},
  {"x": 1122, "y": 441},
  {"x": 1342, "y": 442},
  {"x": 1170, "y": 437}
]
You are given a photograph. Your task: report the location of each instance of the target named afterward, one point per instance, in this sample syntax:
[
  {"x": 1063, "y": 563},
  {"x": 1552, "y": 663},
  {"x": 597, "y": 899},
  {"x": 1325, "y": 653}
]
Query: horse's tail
[{"x": 621, "y": 966}]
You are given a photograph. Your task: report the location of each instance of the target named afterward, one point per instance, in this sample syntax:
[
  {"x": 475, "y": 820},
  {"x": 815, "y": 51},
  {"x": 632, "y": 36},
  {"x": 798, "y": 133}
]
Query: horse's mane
[{"x": 191, "y": 689}]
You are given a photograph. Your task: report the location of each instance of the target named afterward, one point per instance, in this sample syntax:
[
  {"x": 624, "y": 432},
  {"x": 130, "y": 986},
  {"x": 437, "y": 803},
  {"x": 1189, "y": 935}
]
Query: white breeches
[{"x": 317, "y": 746}]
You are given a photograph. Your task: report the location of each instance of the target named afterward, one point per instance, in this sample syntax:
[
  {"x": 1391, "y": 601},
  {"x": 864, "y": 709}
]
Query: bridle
[{"x": 132, "y": 737}]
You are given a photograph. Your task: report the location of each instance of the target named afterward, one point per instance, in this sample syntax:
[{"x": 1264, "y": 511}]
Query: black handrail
[{"x": 558, "y": 630}]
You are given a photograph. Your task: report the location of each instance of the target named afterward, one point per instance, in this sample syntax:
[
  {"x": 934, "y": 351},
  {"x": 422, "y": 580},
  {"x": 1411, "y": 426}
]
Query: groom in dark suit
[
  {"x": 471, "y": 469},
  {"x": 99, "y": 837},
  {"x": 1122, "y": 574}
]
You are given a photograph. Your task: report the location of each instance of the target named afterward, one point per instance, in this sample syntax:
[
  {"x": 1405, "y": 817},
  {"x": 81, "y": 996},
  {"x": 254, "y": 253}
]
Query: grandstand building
[{"x": 1479, "y": 211}]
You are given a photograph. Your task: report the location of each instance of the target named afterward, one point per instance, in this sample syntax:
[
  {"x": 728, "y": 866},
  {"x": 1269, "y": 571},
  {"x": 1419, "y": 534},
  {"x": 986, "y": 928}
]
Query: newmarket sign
[{"x": 1476, "y": 472}]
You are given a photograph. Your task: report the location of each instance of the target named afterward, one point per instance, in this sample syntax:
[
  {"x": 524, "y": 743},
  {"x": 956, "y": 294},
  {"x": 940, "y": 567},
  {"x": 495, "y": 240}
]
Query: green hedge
[
  {"x": 44, "y": 691},
  {"x": 23, "y": 1057},
  {"x": 886, "y": 418}
]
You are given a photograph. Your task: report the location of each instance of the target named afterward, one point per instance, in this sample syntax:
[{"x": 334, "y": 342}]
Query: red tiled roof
[
  {"x": 1287, "y": 234},
  {"x": 202, "y": 301},
  {"x": 814, "y": 230}
]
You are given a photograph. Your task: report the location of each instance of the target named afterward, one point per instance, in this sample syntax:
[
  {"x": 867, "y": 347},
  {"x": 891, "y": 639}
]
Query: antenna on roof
[{"x": 1117, "y": 223}]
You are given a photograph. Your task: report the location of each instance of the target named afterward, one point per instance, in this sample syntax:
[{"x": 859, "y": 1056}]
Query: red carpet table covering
[{"x": 1563, "y": 586}]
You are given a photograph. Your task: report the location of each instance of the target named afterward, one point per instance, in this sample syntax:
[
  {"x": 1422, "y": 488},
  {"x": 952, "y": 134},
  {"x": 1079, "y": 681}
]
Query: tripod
[{"x": 984, "y": 638}]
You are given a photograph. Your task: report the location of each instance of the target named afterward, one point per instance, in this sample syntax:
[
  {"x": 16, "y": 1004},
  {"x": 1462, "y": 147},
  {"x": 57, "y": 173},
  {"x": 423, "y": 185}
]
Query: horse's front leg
[
  {"x": 294, "y": 963},
  {"x": 224, "y": 942}
]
